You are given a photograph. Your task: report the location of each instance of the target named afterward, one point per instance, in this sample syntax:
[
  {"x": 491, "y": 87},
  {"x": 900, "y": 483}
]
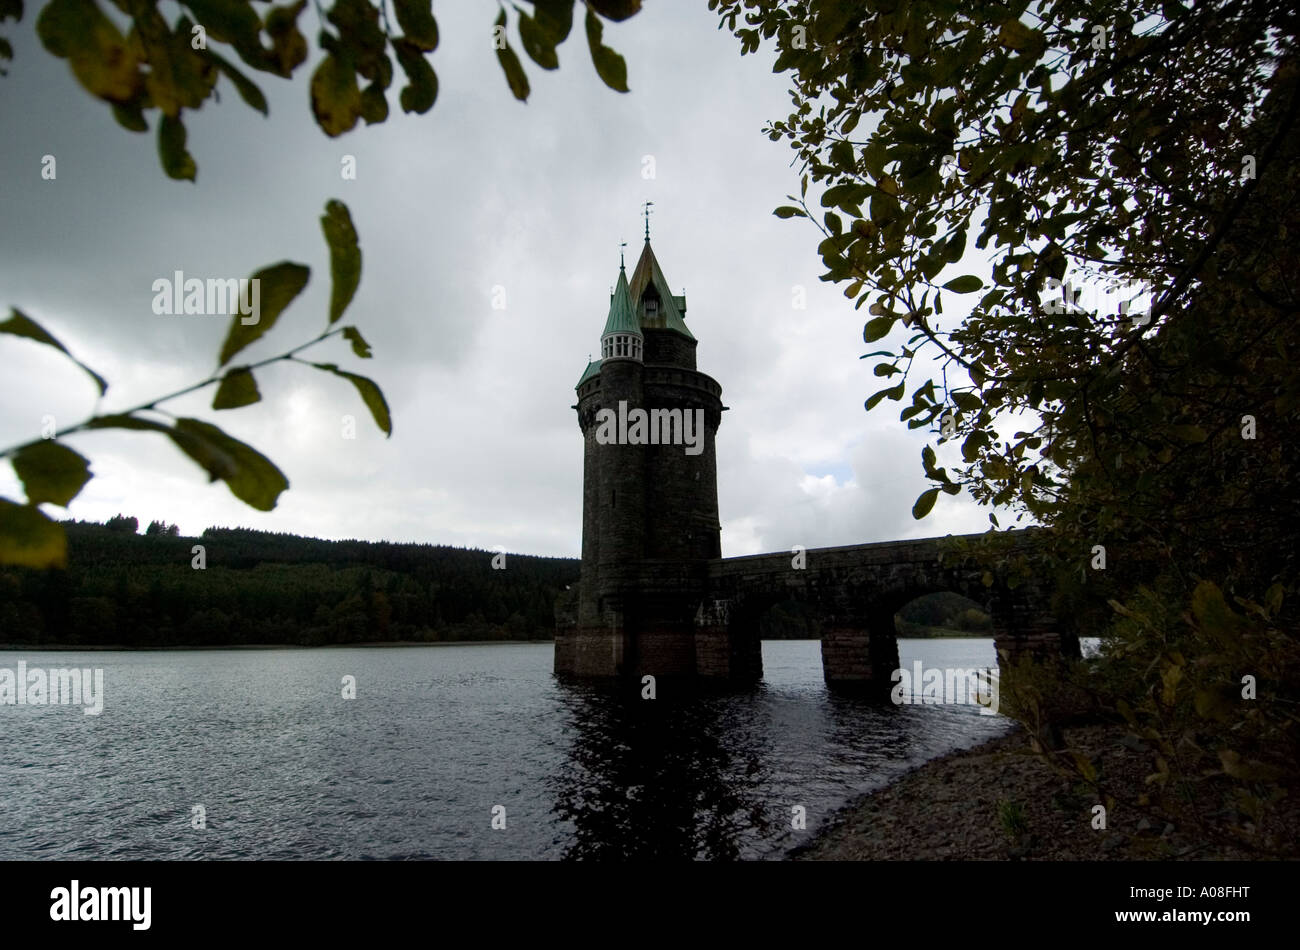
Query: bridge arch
[{"x": 855, "y": 592}]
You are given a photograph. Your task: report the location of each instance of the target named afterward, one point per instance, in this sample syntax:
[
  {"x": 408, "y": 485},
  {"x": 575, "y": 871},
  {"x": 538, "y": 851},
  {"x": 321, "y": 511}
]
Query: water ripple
[{"x": 438, "y": 737}]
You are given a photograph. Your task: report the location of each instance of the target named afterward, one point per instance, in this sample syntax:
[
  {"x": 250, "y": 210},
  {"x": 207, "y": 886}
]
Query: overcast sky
[{"x": 482, "y": 191}]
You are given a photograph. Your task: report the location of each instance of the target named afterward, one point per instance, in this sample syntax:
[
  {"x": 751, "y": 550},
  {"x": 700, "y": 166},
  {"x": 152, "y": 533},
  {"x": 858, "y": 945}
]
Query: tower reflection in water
[{"x": 674, "y": 778}]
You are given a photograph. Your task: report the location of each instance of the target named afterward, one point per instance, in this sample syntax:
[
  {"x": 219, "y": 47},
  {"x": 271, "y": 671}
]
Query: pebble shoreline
[{"x": 955, "y": 808}]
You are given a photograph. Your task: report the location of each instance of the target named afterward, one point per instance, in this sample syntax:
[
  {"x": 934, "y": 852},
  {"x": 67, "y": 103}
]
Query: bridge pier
[
  {"x": 726, "y": 646},
  {"x": 860, "y": 653},
  {"x": 1024, "y": 625},
  {"x": 588, "y": 645}
]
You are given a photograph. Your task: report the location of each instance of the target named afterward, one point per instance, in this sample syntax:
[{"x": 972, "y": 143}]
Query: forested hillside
[{"x": 258, "y": 587}]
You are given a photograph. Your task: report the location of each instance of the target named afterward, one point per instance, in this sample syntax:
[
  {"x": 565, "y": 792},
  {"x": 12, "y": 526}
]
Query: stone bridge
[
  {"x": 855, "y": 591},
  {"x": 702, "y": 619}
]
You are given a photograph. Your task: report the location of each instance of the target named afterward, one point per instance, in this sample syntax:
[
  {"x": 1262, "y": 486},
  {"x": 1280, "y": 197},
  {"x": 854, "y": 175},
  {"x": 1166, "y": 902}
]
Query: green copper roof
[
  {"x": 622, "y": 319},
  {"x": 593, "y": 369},
  {"x": 647, "y": 274}
]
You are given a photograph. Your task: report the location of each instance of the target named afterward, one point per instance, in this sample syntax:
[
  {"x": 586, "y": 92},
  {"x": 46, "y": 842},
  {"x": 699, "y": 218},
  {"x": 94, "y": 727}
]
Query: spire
[
  {"x": 648, "y": 282},
  {"x": 621, "y": 319},
  {"x": 646, "y": 209}
]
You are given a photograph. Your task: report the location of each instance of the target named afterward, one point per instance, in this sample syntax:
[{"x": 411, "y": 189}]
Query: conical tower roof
[
  {"x": 622, "y": 317},
  {"x": 647, "y": 274}
]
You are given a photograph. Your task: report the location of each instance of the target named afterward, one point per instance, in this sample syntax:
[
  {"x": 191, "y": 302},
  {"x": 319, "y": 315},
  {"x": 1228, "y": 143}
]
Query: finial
[
  {"x": 620, "y": 255},
  {"x": 646, "y": 208}
]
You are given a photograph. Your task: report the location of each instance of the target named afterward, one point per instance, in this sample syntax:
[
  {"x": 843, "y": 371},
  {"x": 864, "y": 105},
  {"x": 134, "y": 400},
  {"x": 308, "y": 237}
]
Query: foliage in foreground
[
  {"x": 53, "y": 473},
  {"x": 1142, "y": 158},
  {"x": 130, "y": 57}
]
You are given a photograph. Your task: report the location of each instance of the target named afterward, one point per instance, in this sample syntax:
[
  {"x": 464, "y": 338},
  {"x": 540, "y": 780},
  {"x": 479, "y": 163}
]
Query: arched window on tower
[{"x": 624, "y": 345}]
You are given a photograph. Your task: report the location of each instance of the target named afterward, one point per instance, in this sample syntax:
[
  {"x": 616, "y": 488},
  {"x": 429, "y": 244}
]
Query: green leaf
[
  {"x": 415, "y": 17},
  {"x": 359, "y": 345},
  {"x": 615, "y": 9},
  {"x": 831, "y": 17},
  {"x": 374, "y": 104},
  {"x": 1212, "y": 613},
  {"x": 177, "y": 162},
  {"x": 878, "y": 328},
  {"x": 966, "y": 284},
  {"x": 1016, "y": 35},
  {"x": 610, "y": 66},
  {"x": 421, "y": 90},
  {"x": 555, "y": 18},
  {"x": 335, "y": 96},
  {"x": 846, "y": 196},
  {"x": 130, "y": 117},
  {"x": 124, "y": 421},
  {"x": 1273, "y": 599},
  {"x": 924, "y": 503},
  {"x": 288, "y": 45},
  {"x": 1085, "y": 766},
  {"x": 229, "y": 21},
  {"x": 101, "y": 59},
  {"x": 537, "y": 43},
  {"x": 345, "y": 256},
  {"x": 893, "y": 392},
  {"x": 277, "y": 286},
  {"x": 370, "y": 395},
  {"x": 511, "y": 66},
  {"x": 50, "y": 472},
  {"x": 970, "y": 449},
  {"x": 180, "y": 77},
  {"x": 29, "y": 539},
  {"x": 360, "y": 42},
  {"x": 787, "y": 211},
  {"x": 955, "y": 247},
  {"x": 19, "y": 324},
  {"x": 237, "y": 388},
  {"x": 247, "y": 89},
  {"x": 1247, "y": 770},
  {"x": 250, "y": 475}
]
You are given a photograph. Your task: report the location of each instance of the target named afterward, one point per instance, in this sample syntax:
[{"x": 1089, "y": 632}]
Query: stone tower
[{"x": 650, "y": 493}]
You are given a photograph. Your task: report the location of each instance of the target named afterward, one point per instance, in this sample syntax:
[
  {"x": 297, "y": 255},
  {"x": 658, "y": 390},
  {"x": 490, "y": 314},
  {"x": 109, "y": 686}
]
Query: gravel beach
[{"x": 999, "y": 801}]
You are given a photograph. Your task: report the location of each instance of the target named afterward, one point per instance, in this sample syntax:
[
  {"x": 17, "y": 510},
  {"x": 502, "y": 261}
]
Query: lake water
[{"x": 285, "y": 768}]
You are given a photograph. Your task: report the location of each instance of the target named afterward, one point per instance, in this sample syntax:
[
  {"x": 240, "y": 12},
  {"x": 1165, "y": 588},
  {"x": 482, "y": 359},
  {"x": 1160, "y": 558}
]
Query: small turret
[{"x": 622, "y": 339}]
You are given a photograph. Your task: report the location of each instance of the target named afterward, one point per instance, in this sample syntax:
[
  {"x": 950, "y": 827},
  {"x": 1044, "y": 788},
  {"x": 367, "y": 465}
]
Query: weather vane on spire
[
  {"x": 620, "y": 255},
  {"x": 646, "y": 207}
]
